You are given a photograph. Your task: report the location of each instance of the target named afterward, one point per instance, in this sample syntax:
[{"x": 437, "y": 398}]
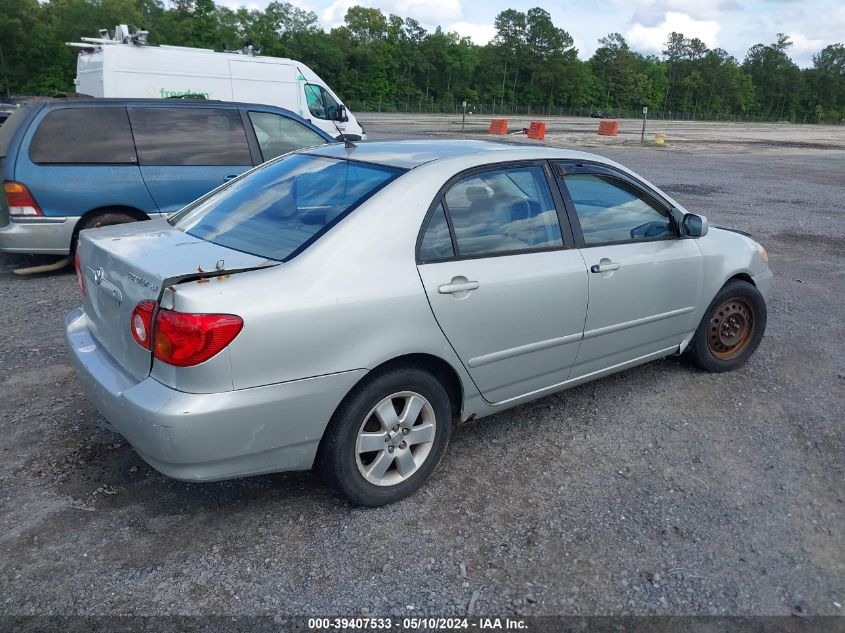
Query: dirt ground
[{"x": 660, "y": 490}]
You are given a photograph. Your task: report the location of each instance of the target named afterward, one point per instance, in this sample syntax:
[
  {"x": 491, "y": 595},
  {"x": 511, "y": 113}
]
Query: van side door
[
  {"x": 76, "y": 159},
  {"x": 185, "y": 152}
]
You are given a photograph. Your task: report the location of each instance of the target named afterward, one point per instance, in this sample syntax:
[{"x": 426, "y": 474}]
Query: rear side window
[
  {"x": 189, "y": 136},
  {"x": 281, "y": 208},
  {"x": 437, "y": 240},
  {"x": 279, "y": 135},
  {"x": 83, "y": 136},
  {"x": 7, "y": 129}
]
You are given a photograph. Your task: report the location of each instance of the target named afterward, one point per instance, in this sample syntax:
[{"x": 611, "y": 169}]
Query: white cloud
[
  {"x": 649, "y": 12},
  {"x": 803, "y": 48},
  {"x": 427, "y": 11},
  {"x": 650, "y": 39},
  {"x": 333, "y": 14},
  {"x": 478, "y": 33},
  {"x": 430, "y": 13}
]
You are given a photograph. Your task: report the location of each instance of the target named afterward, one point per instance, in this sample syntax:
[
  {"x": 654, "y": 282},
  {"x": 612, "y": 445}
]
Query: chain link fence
[{"x": 493, "y": 108}]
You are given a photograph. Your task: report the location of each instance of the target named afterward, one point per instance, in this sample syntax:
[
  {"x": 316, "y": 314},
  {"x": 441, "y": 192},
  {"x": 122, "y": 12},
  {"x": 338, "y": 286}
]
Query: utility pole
[
  {"x": 642, "y": 134},
  {"x": 464, "y": 116}
]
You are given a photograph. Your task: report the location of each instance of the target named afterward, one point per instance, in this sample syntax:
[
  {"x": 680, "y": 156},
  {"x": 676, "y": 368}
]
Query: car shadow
[{"x": 108, "y": 473}]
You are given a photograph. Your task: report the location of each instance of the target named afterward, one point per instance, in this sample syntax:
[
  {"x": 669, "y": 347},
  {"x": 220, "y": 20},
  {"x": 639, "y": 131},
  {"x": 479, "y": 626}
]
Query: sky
[{"x": 734, "y": 25}]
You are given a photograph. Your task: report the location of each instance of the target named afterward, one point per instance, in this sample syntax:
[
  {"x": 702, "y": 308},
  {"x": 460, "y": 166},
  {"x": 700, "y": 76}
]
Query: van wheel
[
  {"x": 386, "y": 438},
  {"x": 106, "y": 218},
  {"x": 731, "y": 328}
]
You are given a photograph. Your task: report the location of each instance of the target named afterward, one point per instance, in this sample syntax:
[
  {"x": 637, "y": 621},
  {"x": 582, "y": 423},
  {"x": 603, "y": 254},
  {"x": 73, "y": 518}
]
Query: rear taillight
[
  {"x": 20, "y": 201},
  {"x": 142, "y": 323},
  {"x": 182, "y": 339},
  {"x": 79, "y": 276}
]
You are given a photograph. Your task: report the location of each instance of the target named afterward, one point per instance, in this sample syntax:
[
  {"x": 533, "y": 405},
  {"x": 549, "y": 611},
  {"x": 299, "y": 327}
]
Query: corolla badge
[
  {"x": 99, "y": 274},
  {"x": 142, "y": 282}
]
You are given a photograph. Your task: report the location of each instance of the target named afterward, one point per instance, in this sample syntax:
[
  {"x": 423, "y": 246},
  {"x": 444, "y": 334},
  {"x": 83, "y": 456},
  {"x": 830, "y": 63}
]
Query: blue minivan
[{"x": 69, "y": 165}]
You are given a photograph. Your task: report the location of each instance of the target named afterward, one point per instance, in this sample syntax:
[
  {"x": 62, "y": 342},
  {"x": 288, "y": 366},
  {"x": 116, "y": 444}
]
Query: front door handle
[
  {"x": 605, "y": 267},
  {"x": 456, "y": 287},
  {"x": 230, "y": 176}
]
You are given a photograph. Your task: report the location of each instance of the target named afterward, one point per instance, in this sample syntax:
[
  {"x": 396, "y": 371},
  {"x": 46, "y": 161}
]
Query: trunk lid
[{"x": 125, "y": 264}]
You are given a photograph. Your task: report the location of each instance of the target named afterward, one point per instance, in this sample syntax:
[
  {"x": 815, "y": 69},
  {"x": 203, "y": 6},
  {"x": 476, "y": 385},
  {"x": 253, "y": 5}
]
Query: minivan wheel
[
  {"x": 731, "y": 329},
  {"x": 386, "y": 438},
  {"x": 106, "y": 218}
]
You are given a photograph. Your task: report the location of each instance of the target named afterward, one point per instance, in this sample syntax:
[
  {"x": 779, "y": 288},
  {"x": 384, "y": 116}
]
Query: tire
[
  {"x": 731, "y": 328},
  {"x": 356, "y": 473},
  {"x": 107, "y": 218}
]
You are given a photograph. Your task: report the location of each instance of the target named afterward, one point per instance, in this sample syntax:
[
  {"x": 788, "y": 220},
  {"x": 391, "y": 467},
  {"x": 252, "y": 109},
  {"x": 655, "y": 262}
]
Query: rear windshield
[{"x": 279, "y": 209}]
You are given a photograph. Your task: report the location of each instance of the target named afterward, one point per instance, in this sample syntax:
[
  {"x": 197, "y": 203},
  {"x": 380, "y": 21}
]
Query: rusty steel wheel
[{"x": 731, "y": 328}]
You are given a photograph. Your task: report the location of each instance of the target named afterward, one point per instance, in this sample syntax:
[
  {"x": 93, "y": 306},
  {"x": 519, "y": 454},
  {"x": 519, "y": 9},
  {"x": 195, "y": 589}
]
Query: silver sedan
[{"x": 340, "y": 307}]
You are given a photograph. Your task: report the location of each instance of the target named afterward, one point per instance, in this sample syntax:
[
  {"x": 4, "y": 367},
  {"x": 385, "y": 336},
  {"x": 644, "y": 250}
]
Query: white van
[{"x": 125, "y": 66}]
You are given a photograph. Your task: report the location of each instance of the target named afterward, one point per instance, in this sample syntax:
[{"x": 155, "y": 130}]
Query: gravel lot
[{"x": 661, "y": 490}]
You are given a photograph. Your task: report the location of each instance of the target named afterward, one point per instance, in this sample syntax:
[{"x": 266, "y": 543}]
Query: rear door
[
  {"x": 185, "y": 152},
  {"x": 645, "y": 280},
  {"x": 505, "y": 284}
]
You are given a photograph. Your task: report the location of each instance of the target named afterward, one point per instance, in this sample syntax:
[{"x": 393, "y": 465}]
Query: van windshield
[{"x": 279, "y": 209}]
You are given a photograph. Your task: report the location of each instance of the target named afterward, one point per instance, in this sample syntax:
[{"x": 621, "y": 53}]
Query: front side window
[
  {"x": 189, "y": 136},
  {"x": 503, "y": 210},
  {"x": 320, "y": 102},
  {"x": 609, "y": 210},
  {"x": 279, "y": 135},
  {"x": 282, "y": 207},
  {"x": 83, "y": 136}
]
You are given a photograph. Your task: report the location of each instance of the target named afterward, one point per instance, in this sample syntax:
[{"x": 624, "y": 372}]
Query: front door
[
  {"x": 644, "y": 280},
  {"x": 507, "y": 289}
]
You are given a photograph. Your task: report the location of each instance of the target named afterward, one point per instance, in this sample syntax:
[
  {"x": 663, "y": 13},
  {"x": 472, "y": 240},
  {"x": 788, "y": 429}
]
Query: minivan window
[
  {"x": 279, "y": 134},
  {"x": 9, "y": 126},
  {"x": 83, "y": 136},
  {"x": 282, "y": 207},
  {"x": 189, "y": 136}
]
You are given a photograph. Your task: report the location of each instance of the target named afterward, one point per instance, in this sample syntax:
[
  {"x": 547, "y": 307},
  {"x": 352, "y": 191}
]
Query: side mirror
[
  {"x": 340, "y": 113},
  {"x": 694, "y": 225}
]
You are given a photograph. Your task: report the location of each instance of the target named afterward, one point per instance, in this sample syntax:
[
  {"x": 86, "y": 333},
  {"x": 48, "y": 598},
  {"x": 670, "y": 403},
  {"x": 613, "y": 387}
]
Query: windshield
[{"x": 281, "y": 208}]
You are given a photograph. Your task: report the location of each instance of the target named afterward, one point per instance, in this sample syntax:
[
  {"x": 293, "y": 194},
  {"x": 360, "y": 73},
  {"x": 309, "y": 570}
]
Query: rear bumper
[
  {"x": 47, "y": 235},
  {"x": 205, "y": 437}
]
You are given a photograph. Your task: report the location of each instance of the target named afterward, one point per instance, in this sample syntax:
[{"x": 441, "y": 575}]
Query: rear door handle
[
  {"x": 450, "y": 289},
  {"x": 605, "y": 268},
  {"x": 230, "y": 176}
]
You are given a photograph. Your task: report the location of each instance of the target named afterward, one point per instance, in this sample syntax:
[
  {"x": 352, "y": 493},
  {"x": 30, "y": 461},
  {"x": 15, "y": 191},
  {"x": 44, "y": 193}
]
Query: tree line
[{"x": 389, "y": 63}]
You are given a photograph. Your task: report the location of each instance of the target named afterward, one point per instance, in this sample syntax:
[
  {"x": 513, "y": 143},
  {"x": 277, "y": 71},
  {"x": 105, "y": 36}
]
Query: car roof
[
  {"x": 413, "y": 153},
  {"x": 179, "y": 103}
]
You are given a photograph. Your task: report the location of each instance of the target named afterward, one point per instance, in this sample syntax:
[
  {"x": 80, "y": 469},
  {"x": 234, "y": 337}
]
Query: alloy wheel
[{"x": 395, "y": 438}]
